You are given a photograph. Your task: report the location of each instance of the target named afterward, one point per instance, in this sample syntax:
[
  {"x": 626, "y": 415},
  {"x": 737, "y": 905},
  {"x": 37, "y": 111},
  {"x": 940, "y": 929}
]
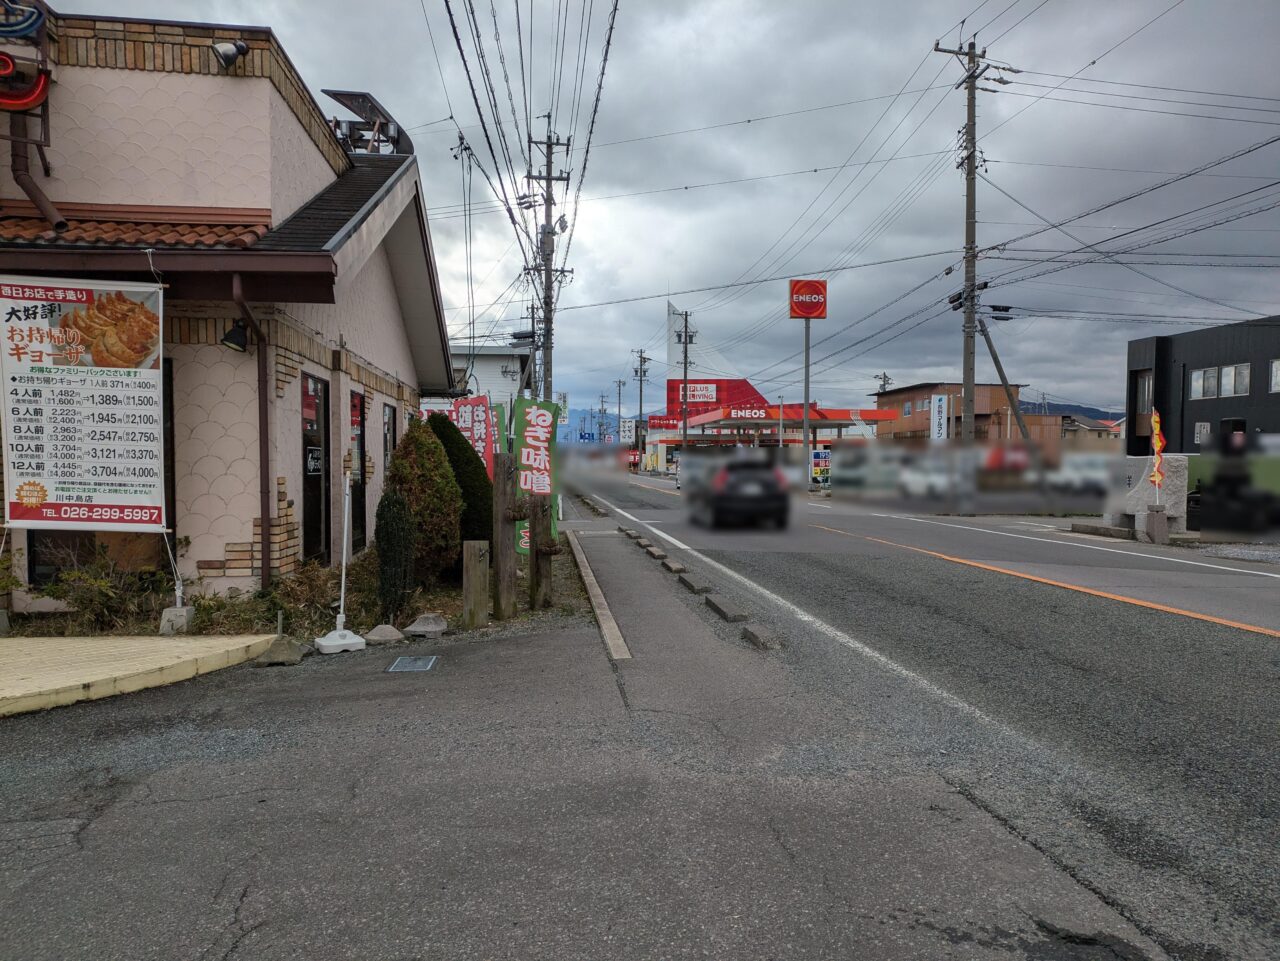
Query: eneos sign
[{"x": 809, "y": 299}]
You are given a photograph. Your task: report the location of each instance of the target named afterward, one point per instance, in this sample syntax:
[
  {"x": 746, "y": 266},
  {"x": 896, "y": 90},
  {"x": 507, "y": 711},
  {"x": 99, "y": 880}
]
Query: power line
[
  {"x": 431, "y": 35},
  {"x": 1131, "y": 96},
  {"x": 1020, "y": 22},
  {"x": 1121, "y": 106},
  {"x": 1149, "y": 86}
]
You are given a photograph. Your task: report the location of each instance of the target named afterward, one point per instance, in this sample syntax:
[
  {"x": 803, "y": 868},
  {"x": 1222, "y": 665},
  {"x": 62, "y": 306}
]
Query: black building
[{"x": 1204, "y": 382}]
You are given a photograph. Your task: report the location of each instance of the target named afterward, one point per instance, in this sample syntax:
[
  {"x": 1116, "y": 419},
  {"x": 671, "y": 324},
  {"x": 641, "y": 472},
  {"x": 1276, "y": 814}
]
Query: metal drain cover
[{"x": 412, "y": 664}]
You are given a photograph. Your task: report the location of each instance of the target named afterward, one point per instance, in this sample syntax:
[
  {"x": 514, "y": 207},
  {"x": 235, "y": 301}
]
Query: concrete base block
[
  {"x": 634, "y": 535},
  {"x": 727, "y": 610},
  {"x": 675, "y": 567},
  {"x": 429, "y": 625},
  {"x": 759, "y": 637},
  {"x": 1153, "y": 525},
  {"x": 177, "y": 620},
  {"x": 657, "y": 553},
  {"x": 694, "y": 584},
  {"x": 336, "y": 642},
  {"x": 384, "y": 634},
  {"x": 644, "y": 543}
]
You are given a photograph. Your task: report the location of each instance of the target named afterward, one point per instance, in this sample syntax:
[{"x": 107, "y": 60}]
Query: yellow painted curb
[{"x": 47, "y": 681}]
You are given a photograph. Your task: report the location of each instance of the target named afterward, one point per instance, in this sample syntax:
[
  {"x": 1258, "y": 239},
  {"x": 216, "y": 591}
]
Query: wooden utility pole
[
  {"x": 620, "y": 384},
  {"x": 973, "y": 71},
  {"x": 504, "y": 536}
]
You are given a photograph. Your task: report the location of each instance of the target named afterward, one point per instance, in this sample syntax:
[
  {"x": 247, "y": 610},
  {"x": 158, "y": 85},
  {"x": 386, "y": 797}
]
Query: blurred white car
[
  {"x": 1082, "y": 473},
  {"x": 928, "y": 478}
]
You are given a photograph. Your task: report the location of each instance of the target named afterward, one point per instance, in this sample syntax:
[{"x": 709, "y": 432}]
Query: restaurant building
[{"x": 302, "y": 320}]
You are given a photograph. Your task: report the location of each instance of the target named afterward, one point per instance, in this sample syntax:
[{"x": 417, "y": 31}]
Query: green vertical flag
[{"x": 535, "y": 457}]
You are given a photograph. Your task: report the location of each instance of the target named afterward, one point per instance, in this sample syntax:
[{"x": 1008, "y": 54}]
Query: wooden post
[
  {"x": 541, "y": 549},
  {"x": 504, "y": 537},
  {"x": 475, "y": 584}
]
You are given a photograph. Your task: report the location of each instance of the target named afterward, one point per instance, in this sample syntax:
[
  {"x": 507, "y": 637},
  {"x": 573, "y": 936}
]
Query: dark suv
[{"x": 722, "y": 492}]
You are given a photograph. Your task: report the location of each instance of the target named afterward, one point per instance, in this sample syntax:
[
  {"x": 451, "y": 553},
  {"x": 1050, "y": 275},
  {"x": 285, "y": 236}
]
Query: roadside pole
[{"x": 808, "y": 302}]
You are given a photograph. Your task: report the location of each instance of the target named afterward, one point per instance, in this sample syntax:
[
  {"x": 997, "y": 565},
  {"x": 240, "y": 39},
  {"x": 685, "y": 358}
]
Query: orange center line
[
  {"x": 650, "y": 487},
  {"x": 1124, "y": 599}
]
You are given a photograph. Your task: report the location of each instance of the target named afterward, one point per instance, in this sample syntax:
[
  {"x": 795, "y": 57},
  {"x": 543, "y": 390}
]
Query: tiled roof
[{"x": 117, "y": 233}]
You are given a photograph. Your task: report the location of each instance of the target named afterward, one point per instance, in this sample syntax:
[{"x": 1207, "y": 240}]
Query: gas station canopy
[{"x": 792, "y": 415}]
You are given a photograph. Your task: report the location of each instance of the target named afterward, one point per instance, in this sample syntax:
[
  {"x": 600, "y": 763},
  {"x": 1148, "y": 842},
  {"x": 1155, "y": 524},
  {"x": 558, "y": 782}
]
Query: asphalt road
[{"x": 1123, "y": 719}]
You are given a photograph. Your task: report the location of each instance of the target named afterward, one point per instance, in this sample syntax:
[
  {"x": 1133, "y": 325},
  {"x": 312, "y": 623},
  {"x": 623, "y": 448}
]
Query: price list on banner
[{"x": 83, "y": 418}]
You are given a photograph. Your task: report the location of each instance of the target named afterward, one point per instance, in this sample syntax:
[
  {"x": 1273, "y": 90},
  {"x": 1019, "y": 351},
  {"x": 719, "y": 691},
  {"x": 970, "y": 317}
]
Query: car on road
[
  {"x": 926, "y": 478},
  {"x": 742, "y": 490}
]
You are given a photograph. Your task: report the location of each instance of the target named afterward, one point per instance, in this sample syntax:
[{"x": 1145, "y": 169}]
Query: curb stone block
[
  {"x": 694, "y": 584},
  {"x": 643, "y": 542},
  {"x": 727, "y": 610},
  {"x": 657, "y": 553},
  {"x": 761, "y": 638},
  {"x": 675, "y": 567}
]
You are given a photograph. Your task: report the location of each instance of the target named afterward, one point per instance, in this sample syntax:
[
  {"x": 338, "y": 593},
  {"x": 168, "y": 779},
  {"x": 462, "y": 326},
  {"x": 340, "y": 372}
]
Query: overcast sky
[{"x": 681, "y": 65}]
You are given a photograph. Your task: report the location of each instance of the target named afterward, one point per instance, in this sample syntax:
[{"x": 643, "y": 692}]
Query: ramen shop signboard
[{"x": 83, "y": 418}]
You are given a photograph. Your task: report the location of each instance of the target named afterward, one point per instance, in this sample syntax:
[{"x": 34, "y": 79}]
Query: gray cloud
[{"x": 677, "y": 65}]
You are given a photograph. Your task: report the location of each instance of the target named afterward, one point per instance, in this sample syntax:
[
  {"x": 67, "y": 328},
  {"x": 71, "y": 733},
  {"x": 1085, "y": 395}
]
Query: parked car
[
  {"x": 926, "y": 478},
  {"x": 1082, "y": 473},
  {"x": 746, "y": 490}
]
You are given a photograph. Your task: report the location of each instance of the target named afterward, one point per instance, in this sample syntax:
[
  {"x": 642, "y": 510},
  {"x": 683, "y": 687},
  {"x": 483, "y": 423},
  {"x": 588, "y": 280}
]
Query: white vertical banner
[
  {"x": 84, "y": 417},
  {"x": 939, "y": 419},
  {"x": 627, "y": 430},
  {"x": 562, "y": 401}
]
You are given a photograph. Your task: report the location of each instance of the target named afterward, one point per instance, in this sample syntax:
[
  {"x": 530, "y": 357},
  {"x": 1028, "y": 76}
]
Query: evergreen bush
[
  {"x": 469, "y": 472},
  {"x": 420, "y": 472},
  {"x": 396, "y": 543}
]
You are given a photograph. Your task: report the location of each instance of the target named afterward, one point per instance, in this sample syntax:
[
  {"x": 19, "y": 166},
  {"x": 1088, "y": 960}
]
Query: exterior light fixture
[
  {"x": 228, "y": 52},
  {"x": 237, "y": 338}
]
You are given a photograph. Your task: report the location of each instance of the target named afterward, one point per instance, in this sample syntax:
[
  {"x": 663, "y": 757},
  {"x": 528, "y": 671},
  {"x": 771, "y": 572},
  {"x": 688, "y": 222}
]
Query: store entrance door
[{"x": 315, "y": 469}]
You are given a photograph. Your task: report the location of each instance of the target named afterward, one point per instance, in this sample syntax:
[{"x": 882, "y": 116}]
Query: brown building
[{"x": 911, "y": 404}]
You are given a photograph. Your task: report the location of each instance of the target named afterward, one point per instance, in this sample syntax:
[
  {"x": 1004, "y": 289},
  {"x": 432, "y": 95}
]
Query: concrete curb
[
  {"x": 239, "y": 650},
  {"x": 613, "y": 640},
  {"x": 726, "y": 608},
  {"x": 674, "y": 566},
  {"x": 759, "y": 637},
  {"x": 694, "y": 584},
  {"x": 657, "y": 553}
]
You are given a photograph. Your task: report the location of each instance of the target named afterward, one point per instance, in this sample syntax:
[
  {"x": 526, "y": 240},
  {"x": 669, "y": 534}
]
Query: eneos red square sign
[{"x": 809, "y": 299}]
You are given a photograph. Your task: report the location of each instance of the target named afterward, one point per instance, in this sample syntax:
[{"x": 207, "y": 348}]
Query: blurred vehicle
[
  {"x": 742, "y": 490},
  {"x": 867, "y": 469},
  {"x": 1081, "y": 474},
  {"x": 926, "y": 478}
]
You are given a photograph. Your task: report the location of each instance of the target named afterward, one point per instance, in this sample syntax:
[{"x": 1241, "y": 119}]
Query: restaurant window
[
  {"x": 389, "y": 439},
  {"x": 1204, "y": 383},
  {"x": 1275, "y": 376},
  {"x": 1143, "y": 391},
  {"x": 1233, "y": 381},
  {"x": 906, "y": 409}
]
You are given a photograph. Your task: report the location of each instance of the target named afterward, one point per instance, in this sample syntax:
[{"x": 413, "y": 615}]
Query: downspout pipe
[
  {"x": 20, "y": 164},
  {"x": 264, "y": 424}
]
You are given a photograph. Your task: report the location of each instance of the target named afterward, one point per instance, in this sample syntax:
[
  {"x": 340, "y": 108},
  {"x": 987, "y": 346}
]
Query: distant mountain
[{"x": 1076, "y": 410}]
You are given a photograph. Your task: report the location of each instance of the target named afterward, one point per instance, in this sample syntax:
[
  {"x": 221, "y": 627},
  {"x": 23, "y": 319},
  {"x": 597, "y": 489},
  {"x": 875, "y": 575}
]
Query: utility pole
[
  {"x": 685, "y": 337},
  {"x": 971, "y": 58},
  {"x": 620, "y": 384},
  {"x": 547, "y": 245},
  {"x": 602, "y": 418},
  {"x": 641, "y": 375},
  {"x": 885, "y": 381}
]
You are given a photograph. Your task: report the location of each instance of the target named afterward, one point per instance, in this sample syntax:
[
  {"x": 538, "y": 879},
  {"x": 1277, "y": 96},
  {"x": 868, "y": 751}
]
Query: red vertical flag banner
[
  {"x": 535, "y": 456},
  {"x": 473, "y": 417},
  {"x": 1157, "y": 450}
]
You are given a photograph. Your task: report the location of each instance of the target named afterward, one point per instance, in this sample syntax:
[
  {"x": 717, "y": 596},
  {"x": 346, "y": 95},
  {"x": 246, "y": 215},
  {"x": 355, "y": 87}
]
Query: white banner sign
[
  {"x": 939, "y": 421},
  {"x": 627, "y": 430},
  {"x": 700, "y": 393},
  {"x": 562, "y": 401},
  {"x": 84, "y": 420}
]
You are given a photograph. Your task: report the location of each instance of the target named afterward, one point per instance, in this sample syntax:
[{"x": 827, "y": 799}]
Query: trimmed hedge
[
  {"x": 420, "y": 472},
  {"x": 397, "y": 546},
  {"x": 469, "y": 472}
]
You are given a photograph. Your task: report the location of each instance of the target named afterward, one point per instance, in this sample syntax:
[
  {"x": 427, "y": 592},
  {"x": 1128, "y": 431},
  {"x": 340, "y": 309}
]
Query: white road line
[
  {"x": 832, "y": 632},
  {"x": 1091, "y": 547}
]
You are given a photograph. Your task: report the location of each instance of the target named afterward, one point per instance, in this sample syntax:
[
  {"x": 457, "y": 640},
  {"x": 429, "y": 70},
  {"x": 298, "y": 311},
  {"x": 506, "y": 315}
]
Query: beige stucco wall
[
  {"x": 136, "y": 138},
  {"x": 298, "y": 169},
  {"x": 132, "y": 137},
  {"x": 367, "y": 315},
  {"x": 215, "y": 449}
]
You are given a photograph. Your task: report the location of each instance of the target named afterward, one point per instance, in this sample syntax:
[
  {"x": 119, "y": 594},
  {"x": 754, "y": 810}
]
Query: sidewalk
[
  {"x": 525, "y": 798},
  {"x": 43, "y": 672}
]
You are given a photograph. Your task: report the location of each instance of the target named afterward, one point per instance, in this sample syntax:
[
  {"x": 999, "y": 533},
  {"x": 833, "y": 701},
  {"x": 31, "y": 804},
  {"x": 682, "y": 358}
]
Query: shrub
[
  {"x": 396, "y": 545},
  {"x": 469, "y": 472},
  {"x": 419, "y": 470},
  {"x": 105, "y": 593}
]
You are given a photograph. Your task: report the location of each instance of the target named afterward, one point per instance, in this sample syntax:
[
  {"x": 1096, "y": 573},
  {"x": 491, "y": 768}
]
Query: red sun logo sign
[{"x": 809, "y": 299}]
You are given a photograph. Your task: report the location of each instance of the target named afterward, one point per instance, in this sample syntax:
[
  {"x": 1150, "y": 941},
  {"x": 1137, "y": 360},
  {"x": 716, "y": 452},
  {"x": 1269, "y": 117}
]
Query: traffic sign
[
  {"x": 809, "y": 299},
  {"x": 586, "y": 437}
]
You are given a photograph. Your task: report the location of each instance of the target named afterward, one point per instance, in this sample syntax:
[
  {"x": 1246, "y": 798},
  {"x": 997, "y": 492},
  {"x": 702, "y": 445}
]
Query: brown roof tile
[{"x": 114, "y": 233}]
